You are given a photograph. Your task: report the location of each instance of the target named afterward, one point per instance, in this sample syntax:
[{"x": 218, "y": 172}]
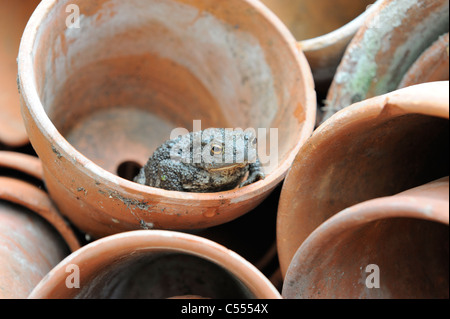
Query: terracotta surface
[
  {"x": 405, "y": 236},
  {"x": 27, "y": 164},
  {"x": 33, "y": 235},
  {"x": 18, "y": 190},
  {"x": 13, "y": 18},
  {"x": 432, "y": 65},
  {"x": 131, "y": 265},
  {"x": 36, "y": 200},
  {"x": 375, "y": 148},
  {"x": 324, "y": 29},
  {"x": 382, "y": 51},
  {"x": 29, "y": 249},
  {"x": 104, "y": 95}
]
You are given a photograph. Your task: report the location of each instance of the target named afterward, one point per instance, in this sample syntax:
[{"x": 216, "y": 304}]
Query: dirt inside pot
[
  {"x": 309, "y": 19},
  {"x": 118, "y": 85},
  {"x": 161, "y": 275}
]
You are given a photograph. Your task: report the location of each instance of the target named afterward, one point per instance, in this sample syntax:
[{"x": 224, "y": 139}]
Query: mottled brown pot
[
  {"x": 375, "y": 148},
  {"x": 155, "y": 264},
  {"x": 431, "y": 66},
  {"x": 324, "y": 29},
  {"x": 111, "y": 91},
  {"x": 391, "y": 39},
  {"x": 13, "y": 18},
  {"x": 389, "y": 247}
]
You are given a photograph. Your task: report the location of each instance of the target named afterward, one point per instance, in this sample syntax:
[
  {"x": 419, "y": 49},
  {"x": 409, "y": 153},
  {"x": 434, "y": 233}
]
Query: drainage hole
[{"x": 128, "y": 170}]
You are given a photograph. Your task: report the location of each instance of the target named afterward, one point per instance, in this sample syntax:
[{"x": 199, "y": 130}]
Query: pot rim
[
  {"x": 435, "y": 95},
  {"x": 156, "y": 240},
  {"x": 38, "y": 202},
  {"x": 89, "y": 168},
  {"x": 404, "y": 205},
  {"x": 25, "y": 163},
  {"x": 345, "y": 31}
]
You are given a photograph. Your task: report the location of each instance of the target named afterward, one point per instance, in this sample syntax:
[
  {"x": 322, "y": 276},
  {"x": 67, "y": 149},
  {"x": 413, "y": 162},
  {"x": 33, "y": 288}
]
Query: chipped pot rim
[
  {"x": 156, "y": 240},
  {"x": 34, "y": 105}
]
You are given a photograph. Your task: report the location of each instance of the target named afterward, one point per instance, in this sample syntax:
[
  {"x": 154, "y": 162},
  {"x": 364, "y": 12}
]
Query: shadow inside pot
[{"x": 163, "y": 275}]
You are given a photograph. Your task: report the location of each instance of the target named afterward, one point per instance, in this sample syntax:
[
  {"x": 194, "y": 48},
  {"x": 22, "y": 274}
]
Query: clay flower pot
[
  {"x": 391, "y": 39},
  {"x": 389, "y": 247},
  {"x": 98, "y": 98},
  {"x": 13, "y": 18},
  {"x": 431, "y": 66},
  {"x": 375, "y": 148},
  {"x": 33, "y": 236},
  {"x": 324, "y": 29},
  {"x": 154, "y": 264}
]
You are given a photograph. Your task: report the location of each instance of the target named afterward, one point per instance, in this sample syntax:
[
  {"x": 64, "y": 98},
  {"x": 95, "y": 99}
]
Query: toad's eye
[
  {"x": 216, "y": 149},
  {"x": 255, "y": 140}
]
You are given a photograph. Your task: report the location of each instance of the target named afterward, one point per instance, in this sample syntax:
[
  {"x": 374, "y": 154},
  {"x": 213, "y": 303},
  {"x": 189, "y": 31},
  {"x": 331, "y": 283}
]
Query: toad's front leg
[{"x": 255, "y": 173}]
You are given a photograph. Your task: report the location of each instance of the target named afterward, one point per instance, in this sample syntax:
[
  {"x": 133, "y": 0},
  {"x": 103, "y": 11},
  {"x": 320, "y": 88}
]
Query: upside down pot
[
  {"x": 154, "y": 264},
  {"x": 389, "y": 247},
  {"x": 99, "y": 96},
  {"x": 375, "y": 148}
]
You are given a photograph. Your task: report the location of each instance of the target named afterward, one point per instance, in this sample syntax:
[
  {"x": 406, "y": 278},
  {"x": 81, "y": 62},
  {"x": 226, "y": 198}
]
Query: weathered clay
[
  {"x": 324, "y": 29},
  {"x": 111, "y": 91},
  {"x": 385, "y": 47},
  {"x": 390, "y": 247},
  {"x": 431, "y": 66},
  {"x": 155, "y": 264},
  {"x": 375, "y": 148},
  {"x": 13, "y": 18}
]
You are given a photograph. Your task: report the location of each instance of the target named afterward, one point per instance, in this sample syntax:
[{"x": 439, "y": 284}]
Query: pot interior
[
  {"x": 411, "y": 256},
  {"x": 310, "y": 19},
  {"x": 159, "y": 275},
  {"x": 116, "y": 86}
]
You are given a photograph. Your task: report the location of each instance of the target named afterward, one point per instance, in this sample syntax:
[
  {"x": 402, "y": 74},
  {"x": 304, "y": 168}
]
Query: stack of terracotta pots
[{"x": 355, "y": 205}]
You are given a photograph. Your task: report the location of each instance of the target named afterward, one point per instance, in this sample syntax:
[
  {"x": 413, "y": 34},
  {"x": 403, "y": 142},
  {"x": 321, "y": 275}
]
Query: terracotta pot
[
  {"x": 37, "y": 201},
  {"x": 33, "y": 236},
  {"x": 13, "y": 18},
  {"x": 17, "y": 188},
  {"x": 384, "y": 48},
  {"x": 324, "y": 29},
  {"x": 104, "y": 96},
  {"x": 155, "y": 264},
  {"x": 375, "y": 148},
  {"x": 24, "y": 163},
  {"x": 431, "y": 66},
  {"x": 402, "y": 238}
]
